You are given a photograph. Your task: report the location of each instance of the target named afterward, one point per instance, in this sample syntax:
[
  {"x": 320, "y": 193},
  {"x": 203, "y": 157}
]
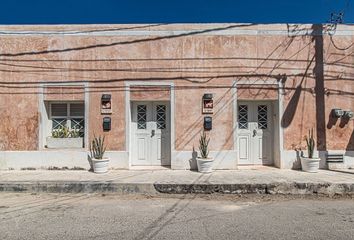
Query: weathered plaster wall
[
  {"x": 18, "y": 132},
  {"x": 141, "y": 93},
  {"x": 256, "y": 92},
  {"x": 115, "y": 138},
  {"x": 195, "y": 63},
  {"x": 301, "y": 111},
  {"x": 189, "y": 118},
  {"x": 61, "y": 93}
]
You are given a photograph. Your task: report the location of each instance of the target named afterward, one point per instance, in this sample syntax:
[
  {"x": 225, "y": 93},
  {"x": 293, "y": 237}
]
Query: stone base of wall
[
  {"x": 78, "y": 159},
  {"x": 181, "y": 160},
  {"x": 57, "y": 159}
]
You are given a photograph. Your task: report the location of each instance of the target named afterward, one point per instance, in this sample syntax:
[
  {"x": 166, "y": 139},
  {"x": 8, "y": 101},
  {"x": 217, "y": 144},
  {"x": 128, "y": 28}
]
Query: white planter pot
[
  {"x": 310, "y": 164},
  {"x": 64, "y": 142},
  {"x": 100, "y": 165},
  {"x": 205, "y": 165}
]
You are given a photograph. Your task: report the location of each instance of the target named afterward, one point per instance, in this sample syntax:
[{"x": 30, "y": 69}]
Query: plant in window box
[
  {"x": 310, "y": 163},
  {"x": 97, "y": 150},
  {"x": 204, "y": 162},
  {"x": 64, "y": 137}
]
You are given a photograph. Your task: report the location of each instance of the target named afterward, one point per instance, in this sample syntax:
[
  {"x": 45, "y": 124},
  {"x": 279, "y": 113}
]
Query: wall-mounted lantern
[
  {"x": 348, "y": 114},
  {"x": 337, "y": 112},
  {"x": 207, "y": 102},
  {"x": 106, "y": 104}
]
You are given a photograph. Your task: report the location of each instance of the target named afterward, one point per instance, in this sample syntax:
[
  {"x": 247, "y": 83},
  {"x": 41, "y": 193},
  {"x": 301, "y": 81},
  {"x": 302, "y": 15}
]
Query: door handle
[
  {"x": 254, "y": 132},
  {"x": 152, "y": 133}
]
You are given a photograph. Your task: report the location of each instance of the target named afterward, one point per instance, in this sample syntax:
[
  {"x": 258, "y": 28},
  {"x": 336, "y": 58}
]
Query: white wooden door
[
  {"x": 151, "y": 144},
  {"x": 255, "y": 134}
]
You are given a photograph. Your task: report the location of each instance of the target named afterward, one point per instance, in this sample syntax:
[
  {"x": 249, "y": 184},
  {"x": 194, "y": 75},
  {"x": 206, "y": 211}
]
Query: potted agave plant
[
  {"x": 97, "y": 150},
  {"x": 310, "y": 163},
  {"x": 204, "y": 162}
]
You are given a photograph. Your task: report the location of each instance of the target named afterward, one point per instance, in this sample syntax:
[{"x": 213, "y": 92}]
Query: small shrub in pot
[
  {"x": 97, "y": 151},
  {"x": 310, "y": 163},
  {"x": 204, "y": 162}
]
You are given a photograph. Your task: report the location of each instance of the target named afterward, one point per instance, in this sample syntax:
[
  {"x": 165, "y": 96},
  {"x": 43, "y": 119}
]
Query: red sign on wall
[
  {"x": 208, "y": 103},
  {"x": 106, "y": 104}
]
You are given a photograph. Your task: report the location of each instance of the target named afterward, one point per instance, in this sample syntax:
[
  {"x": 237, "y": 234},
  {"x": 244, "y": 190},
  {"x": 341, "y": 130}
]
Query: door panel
[
  {"x": 254, "y": 129},
  {"x": 244, "y": 133},
  {"x": 243, "y": 149},
  {"x": 159, "y": 154},
  {"x": 267, "y": 149},
  {"x": 163, "y": 135},
  {"x": 142, "y": 156},
  {"x": 151, "y": 144},
  {"x": 141, "y": 129},
  {"x": 259, "y": 150}
]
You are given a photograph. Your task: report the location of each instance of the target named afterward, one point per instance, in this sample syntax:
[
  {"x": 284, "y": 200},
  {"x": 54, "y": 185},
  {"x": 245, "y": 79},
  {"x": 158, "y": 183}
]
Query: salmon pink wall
[{"x": 207, "y": 60}]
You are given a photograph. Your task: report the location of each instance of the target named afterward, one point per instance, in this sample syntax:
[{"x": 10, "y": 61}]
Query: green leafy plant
[
  {"x": 203, "y": 145},
  {"x": 97, "y": 147},
  {"x": 75, "y": 133},
  {"x": 65, "y": 132},
  {"x": 310, "y": 142}
]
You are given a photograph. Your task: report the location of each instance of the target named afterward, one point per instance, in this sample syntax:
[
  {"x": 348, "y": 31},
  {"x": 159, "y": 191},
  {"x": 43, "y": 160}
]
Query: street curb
[
  {"x": 281, "y": 188},
  {"x": 78, "y": 187},
  {"x": 293, "y": 188}
]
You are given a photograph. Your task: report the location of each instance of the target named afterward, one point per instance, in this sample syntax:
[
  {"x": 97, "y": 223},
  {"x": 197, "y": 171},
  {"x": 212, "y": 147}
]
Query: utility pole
[{"x": 319, "y": 88}]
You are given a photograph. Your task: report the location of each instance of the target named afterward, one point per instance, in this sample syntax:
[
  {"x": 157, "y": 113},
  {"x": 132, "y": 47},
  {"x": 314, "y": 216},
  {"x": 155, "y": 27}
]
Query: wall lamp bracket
[
  {"x": 348, "y": 114},
  {"x": 337, "y": 112}
]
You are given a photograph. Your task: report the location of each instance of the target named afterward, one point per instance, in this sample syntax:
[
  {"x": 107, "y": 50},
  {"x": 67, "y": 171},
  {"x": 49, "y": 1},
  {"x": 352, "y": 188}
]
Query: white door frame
[
  {"x": 128, "y": 139},
  {"x": 278, "y": 153},
  {"x": 272, "y": 122},
  {"x": 165, "y": 146}
]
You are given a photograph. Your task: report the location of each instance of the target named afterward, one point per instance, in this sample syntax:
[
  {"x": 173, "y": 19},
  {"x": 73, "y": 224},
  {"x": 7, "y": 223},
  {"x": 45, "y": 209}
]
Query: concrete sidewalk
[{"x": 262, "y": 181}]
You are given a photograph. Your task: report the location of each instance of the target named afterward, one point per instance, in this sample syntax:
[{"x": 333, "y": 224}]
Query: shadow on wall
[
  {"x": 332, "y": 121},
  {"x": 290, "y": 109},
  {"x": 196, "y": 127},
  {"x": 318, "y": 73},
  {"x": 350, "y": 146},
  {"x": 349, "y": 150},
  {"x": 193, "y": 160},
  {"x": 297, "y": 162},
  {"x": 29, "y": 53}
]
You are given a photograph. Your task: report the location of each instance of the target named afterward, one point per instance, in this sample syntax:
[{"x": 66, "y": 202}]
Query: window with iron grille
[
  {"x": 70, "y": 115},
  {"x": 262, "y": 117},
  {"x": 243, "y": 117}
]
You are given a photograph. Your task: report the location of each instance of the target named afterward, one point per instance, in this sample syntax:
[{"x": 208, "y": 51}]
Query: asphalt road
[{"x": 49, "y": 216}]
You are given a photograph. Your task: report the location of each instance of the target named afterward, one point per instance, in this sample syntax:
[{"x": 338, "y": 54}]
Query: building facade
[{"x": 152, "y": 89}]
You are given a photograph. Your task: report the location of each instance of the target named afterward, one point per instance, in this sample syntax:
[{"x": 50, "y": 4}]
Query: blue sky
[{"x": 171, "y": 11}]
